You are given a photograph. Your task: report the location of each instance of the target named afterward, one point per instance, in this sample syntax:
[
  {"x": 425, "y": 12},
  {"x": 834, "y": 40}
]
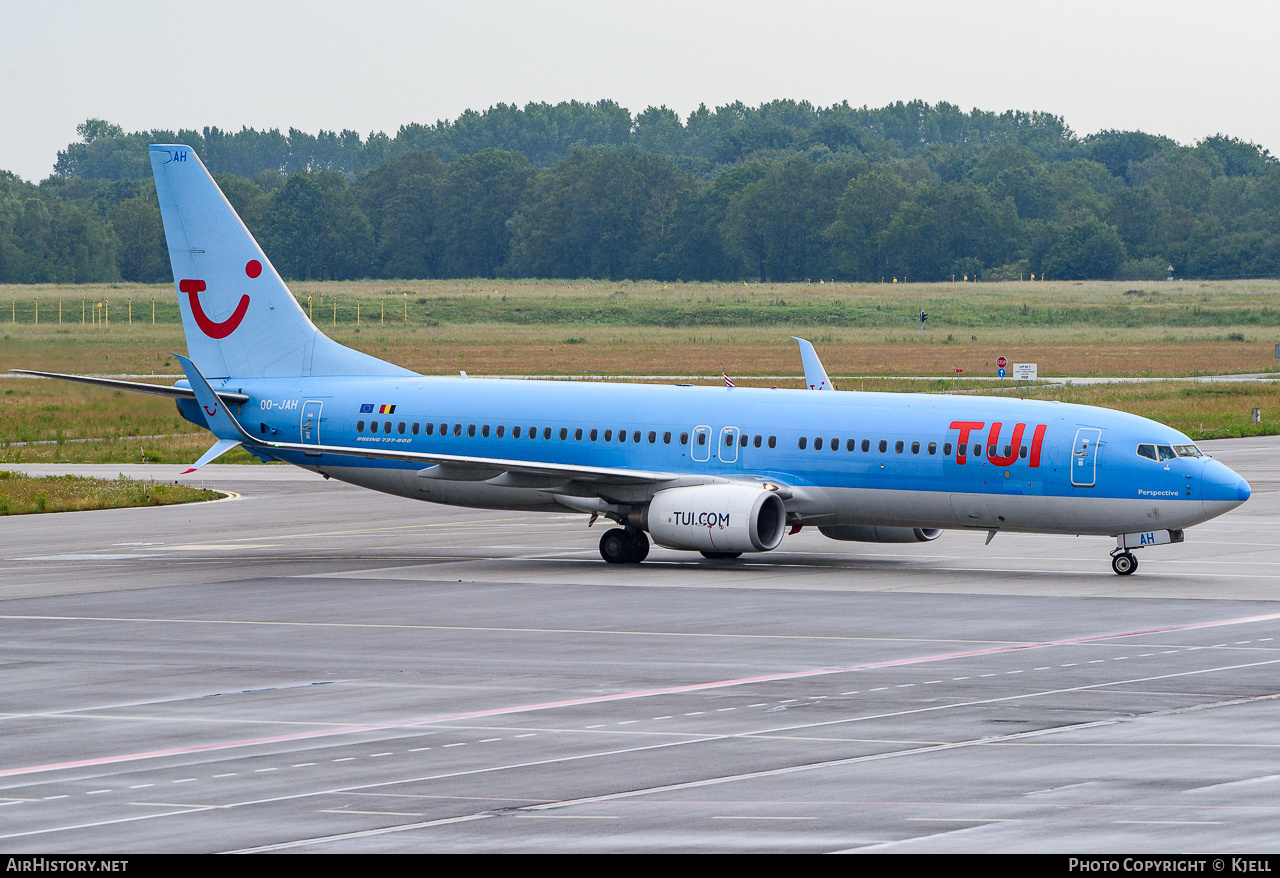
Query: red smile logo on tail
[{"x": 213, "y": 329}]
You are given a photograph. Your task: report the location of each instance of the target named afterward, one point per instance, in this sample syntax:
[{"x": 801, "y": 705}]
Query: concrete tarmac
[{"x": 314, "y": 667}]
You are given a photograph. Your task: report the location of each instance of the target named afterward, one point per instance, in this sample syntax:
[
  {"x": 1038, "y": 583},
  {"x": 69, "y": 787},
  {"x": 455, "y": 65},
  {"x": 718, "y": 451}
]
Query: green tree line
[{"x": 784, "y": 191}]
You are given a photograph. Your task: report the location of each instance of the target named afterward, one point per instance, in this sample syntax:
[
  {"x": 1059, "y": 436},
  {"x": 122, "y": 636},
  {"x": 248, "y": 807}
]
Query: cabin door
[
  {"x": 701, "y": 448},
  {"x": 728, "y": 445},
  {"x": 311, "y": 422},
  {"x": 1084, "y": 457}
]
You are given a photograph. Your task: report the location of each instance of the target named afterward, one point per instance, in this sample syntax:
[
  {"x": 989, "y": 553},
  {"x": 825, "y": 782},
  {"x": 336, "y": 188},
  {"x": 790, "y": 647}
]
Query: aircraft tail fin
[{"x": 239, "y": 317}]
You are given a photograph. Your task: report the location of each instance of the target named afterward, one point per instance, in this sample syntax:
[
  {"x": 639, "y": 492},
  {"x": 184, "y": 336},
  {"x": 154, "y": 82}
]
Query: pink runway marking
[{"x": 618, "y": 696}]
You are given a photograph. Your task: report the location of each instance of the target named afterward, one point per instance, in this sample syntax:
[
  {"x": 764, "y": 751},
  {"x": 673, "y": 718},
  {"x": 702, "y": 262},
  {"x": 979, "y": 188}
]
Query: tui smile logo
[{"x": 212, "y": 328}]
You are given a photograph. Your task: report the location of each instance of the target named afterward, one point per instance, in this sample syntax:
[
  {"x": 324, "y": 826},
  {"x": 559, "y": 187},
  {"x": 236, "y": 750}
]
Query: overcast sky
[{"x": 1187, "y": 70}]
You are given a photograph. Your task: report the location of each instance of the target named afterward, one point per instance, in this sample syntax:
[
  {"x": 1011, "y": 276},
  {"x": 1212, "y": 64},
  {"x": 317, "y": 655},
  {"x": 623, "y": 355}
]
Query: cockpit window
[
  {"x": 1165, "y": 452},
  {"x": 1147, "y": 451},
  {"x": 1187, "y": 451}
]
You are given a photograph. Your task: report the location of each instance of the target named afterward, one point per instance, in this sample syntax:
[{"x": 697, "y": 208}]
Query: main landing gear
[
  {"x": 624, "y": 546},
  {"x": 1123, "y": 563}
]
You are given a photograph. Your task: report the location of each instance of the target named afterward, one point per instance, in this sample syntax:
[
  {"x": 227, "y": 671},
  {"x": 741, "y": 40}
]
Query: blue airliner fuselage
[{"x": 877, "y": 459}]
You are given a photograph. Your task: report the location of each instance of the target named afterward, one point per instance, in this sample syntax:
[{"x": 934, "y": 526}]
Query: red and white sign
[{"x": 1001, "y": 362}]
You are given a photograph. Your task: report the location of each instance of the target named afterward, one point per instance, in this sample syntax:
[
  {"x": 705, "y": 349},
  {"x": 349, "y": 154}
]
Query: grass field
[
  {"x": 22, "y": 494},
  {"x": 642, "y": 328},
  {"x": 620, "y": 329}
]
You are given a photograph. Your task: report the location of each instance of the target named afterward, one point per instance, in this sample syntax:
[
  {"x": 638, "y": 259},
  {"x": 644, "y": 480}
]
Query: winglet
[
  {"x": 815, "y": 377},
  {"x": 220, "y": 421}
]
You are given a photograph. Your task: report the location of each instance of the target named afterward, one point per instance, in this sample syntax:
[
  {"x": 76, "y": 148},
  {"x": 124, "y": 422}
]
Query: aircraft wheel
[
  {"x": 639, "y": 546},
  {"x": 721, "y": 556},
  {"x": 616, "y": 546},
  {"x": 1124, "y": 564}
]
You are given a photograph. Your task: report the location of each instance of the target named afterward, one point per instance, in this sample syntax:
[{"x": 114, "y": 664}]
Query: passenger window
[
  {"x": 702, "y": 438},
  {"x": 595, "y": 432},
  {"x": 546, "y": 433},
  {"x": 1008, "y": 451},
  {"x": 653, "y": 436},
  {"x": 533, "y": 432},
  {"x": 484, "y": 431},
  {"x": 742, "y": 440},
  {"x": 471, "y": 430},
  {"x": 359, "y": 426},
  {"x": 564, "y": 433},
  {"x": 444, "y": 429},
  {"x": 415, "y": 428},
  {"x": 666, "y": 438},
  {"x": 373, "y": 426},
  {"x": 577, "y": 435},
  {"x": 884, "y": 446},
  {"x": 977, "y": 451},
  {"x": 817, "y": 444},
  {"x": 933, "y": 447},
  {"x": 400, "y": 428},
  {"x": 608, "y": 435},
  {"x": 386, "y": 426},
  {"x": 866, "y": 445},
  {"x": 851, "y": 445},
  {"x": 622, "y": 435},
  {"x": 773, "y": 441},
  {"x": 515, "y": 432},
  {"x": 757, "y": 441},
  {"x": 429, "y": 429},
  {"x": 946, "y": 449},
  {"x": 501, "y": 429},
  {"x": 635, "y": 437},
  {"x": 1022, "y": 452},
  {"x": 897, "y": 447},
  {"x": 457, "y": 429},
  {"x": 915, "y": 447},
  {"x": 804, "y": 443},
  {"x": 684, "y": 438}
]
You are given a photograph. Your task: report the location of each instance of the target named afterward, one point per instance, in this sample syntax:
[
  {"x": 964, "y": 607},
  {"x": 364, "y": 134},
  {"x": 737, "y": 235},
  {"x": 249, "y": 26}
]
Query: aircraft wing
[
  {"x": 435, "y": 466},
  {"x": 138, "y": 386},
  {"x": 468, "y": 468}
]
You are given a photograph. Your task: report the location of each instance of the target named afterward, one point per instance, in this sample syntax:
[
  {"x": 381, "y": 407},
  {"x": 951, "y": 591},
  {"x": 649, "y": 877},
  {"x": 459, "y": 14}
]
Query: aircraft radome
[{"x": 716, "y": 470}]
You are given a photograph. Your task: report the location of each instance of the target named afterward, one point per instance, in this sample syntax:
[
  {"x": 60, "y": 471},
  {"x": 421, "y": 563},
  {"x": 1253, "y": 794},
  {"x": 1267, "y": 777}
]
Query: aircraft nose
[{"x": 1222, "y": 488}]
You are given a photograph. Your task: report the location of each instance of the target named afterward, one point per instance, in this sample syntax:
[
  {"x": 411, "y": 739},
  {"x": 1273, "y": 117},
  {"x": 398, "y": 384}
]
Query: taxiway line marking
[{"x": 621, "y": 696}]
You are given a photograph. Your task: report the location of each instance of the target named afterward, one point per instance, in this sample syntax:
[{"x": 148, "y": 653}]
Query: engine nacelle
[
  {"x": 717, "y": 518},
  {"x": 860, "y": 533}
]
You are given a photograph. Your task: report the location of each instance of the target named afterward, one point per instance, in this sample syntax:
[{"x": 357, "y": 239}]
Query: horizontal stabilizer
[
  {"x": 226, "y": 396},
  {"x": 220, "y": 422},
  {"x": 221, "y": 447}
]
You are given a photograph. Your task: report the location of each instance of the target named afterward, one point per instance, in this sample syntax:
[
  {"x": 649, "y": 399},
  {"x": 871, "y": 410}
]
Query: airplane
[{"x": 717, "y": 470}]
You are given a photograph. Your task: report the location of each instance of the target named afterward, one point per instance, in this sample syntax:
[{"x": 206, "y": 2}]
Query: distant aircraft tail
[{"x": 239, "y": 317}]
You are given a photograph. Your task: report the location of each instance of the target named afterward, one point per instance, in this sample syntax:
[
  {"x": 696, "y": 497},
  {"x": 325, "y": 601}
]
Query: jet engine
[
  {"x": 860, "y": 533},
  {"x": 717, "y": 518}
]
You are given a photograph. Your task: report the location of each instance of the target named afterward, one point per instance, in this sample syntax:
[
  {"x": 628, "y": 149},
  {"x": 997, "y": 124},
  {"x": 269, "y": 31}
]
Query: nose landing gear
[{"x": 1123, "y": 563}]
